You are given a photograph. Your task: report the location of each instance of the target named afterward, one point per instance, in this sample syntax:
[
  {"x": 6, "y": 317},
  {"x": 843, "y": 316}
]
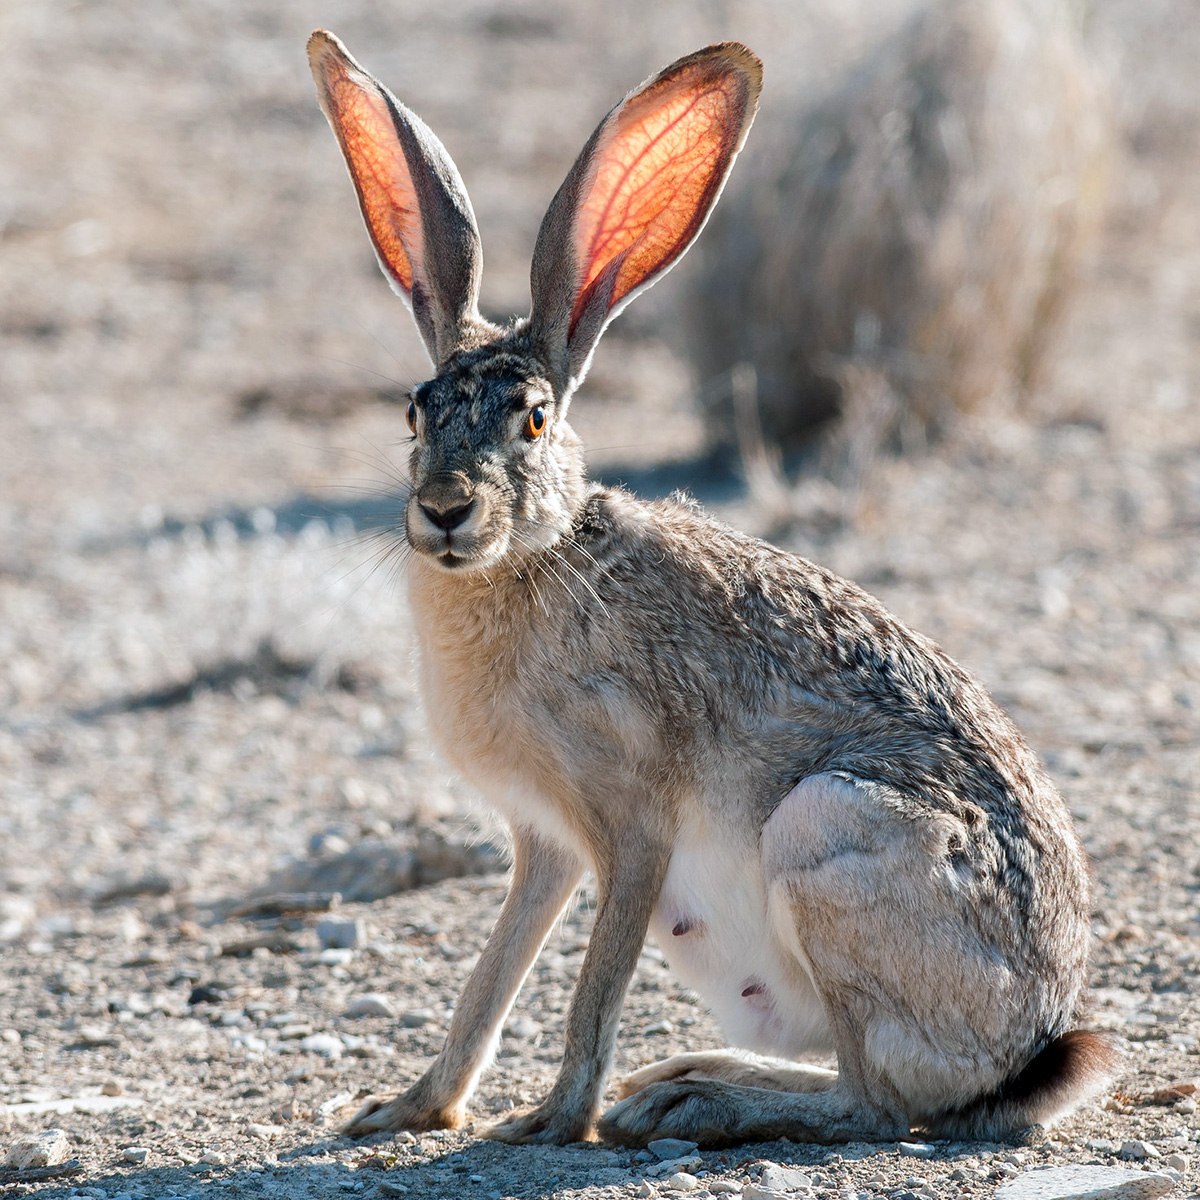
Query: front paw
[
  {"x": 546, "y": 1125},
  {"x": 394, "y": 1113},
  {"x": 694, "y": 1110}
]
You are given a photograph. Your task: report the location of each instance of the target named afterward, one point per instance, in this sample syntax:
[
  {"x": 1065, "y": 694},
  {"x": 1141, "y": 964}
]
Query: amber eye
[
  {"x": 410, "y": 415},
  {"x": 535, "y": 423}
]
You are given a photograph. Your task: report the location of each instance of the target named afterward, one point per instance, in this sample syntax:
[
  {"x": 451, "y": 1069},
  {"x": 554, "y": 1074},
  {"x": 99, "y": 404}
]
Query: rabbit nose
[
  {"x": 447, "y": 500},
  {"x": 449, "y": 517}
]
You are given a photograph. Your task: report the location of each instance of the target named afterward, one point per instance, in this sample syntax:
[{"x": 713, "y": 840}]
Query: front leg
[
  {"x": 631, "y": 877},
  {"x": 544, "y": 876}
]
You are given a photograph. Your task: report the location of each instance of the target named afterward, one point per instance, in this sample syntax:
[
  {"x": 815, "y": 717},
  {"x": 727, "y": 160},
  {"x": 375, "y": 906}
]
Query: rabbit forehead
[{"x": 481, "y": 391}]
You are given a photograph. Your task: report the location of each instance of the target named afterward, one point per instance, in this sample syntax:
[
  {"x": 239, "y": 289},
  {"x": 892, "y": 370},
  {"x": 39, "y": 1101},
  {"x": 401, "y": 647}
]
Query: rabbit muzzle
[{"x": 450, "y": 518}]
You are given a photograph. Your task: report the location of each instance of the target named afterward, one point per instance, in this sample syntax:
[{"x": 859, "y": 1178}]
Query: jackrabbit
[{"x": 836, "y": 836}]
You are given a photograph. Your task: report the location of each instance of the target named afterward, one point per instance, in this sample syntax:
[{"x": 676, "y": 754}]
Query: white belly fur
[{"x": 715, "y": 884}]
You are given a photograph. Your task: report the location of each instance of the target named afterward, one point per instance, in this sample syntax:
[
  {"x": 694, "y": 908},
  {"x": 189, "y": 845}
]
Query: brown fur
[{"x": 849, "y": 844}]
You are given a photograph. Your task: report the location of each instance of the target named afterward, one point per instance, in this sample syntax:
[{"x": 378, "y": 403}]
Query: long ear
[
  {"x": 637, "y": 196},
  {"x": 411, "y": 194}
]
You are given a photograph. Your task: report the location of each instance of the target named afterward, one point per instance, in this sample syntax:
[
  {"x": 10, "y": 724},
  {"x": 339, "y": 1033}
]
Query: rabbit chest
[
  {"x": 474, "y": 685},
  {"x": 721, "y": 937}
]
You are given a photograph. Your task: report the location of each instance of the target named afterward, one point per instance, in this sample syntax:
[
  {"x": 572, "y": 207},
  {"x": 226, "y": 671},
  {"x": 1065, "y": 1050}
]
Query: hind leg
[
  {"x": 731, "y": 1066},
  {"x": 876, "y": 898}
]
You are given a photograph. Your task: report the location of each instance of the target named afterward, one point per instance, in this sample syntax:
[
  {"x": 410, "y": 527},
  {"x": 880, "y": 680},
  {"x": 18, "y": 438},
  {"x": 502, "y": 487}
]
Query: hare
[{"x": 835, "y": 835}]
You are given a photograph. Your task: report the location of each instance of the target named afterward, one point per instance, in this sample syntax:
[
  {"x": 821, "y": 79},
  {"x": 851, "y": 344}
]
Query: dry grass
[{"x": 911, "y": 237}]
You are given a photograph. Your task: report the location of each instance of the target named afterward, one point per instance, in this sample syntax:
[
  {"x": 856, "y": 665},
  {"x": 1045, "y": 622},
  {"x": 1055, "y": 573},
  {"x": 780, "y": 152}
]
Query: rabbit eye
[
  {"x": 410, "y": 415},
  {"x": 535, "y": 423}
]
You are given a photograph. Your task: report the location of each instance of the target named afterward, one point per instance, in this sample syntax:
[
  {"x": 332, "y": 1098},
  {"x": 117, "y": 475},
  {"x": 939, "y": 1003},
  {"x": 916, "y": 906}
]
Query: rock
[
  {"x": 681, "y": 1181},
  {"x": 659, "y": 1027},
  {"x": 135, "y": 1154},
  {"x": 725, "y": 1187},
  {"x": 1186, "y": 1106},
  {"x": 1177, "y": 1162},
  {"x": 1086, "y": 1183},
  {"x": 324, "y": 1044},
  {"x": 917, "y": 1149},
  {"x": 387, "y": 1188},
  {"x": 756, "y": 1191},
  {"x": 370, "y": 1004},
  {"x": 667, "y": 1148},
  {"x": 415, "y": 1018},
  {"x": 46, "y": 1149},
  {"x": 784, "y": 1179},
  {"x": 216, "y": 1158},
  {"x": 645, "y": 1189},
  {"x": 523, "y": 1027},
  {"x": 1135, "y": 1151}
]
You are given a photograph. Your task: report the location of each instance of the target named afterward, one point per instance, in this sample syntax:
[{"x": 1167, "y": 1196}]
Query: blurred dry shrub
[{"x": 904, "y": 248}]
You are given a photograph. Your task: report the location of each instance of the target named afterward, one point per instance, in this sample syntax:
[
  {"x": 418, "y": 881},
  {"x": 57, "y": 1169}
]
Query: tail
[{"x": 1065, "y": 1072}]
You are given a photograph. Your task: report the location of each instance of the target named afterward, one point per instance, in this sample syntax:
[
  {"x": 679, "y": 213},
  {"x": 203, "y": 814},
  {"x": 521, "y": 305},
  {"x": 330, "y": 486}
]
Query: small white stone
[
  {"x": 135, "y": 1154},
  {"x": 523, "y": 1027},
  {"x": 370, "y": 1004},
  {"x": 645, "y": 1188},
  {"x": 756, "y": 1191},
  {"x": 1177, "y": 1162},
  {"x": 785, "y": 1179},
  {"x": 215, "y": 1158},
  {"x": 338, "y": 933},
  {"x": 46, "y": 1149},
  {"x": 415, "y": 1018},
  {"x": 324, "y": 1044},
  {"x": 1135, "y": 1151},
  {"x": 917, "y": 1149},
  {"x": 659, "y": 1027},
  {"x": 1187, "y": 1105},
  {"x": 681, "y": 1181},
  {"x": 667, "y": 1148},
  {"x": 1086, "y": 1183},
  {"x": 724, "y": 1187}
]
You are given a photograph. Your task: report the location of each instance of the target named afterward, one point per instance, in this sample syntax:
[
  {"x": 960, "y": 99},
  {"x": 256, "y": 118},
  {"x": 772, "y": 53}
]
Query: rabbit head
[{"x": 497, "y": 472}]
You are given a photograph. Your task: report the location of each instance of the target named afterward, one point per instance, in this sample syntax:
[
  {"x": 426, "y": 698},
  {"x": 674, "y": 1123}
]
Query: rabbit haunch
[{"x": 836, "y": 836}]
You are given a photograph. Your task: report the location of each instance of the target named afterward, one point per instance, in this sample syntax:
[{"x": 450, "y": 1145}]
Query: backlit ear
[
  {"x": 412, "y": 197},
  {"x": 637, "y": 196}
]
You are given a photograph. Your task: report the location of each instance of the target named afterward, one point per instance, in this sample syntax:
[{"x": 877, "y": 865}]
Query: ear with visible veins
[
  {"x": 412, "y": 197},
  {"x": 636, "y": 198}
]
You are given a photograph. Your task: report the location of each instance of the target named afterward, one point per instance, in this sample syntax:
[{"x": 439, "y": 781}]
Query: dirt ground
[{"x": 206, "y": 690}]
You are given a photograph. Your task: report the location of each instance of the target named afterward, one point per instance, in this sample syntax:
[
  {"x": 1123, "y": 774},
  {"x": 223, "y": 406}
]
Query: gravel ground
[{"x": 207, "y": 700}]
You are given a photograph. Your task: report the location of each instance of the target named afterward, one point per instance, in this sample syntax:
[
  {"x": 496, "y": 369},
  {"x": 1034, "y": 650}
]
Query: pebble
[
  {"x": 659, "y": 1027},
  {"x": 324, "y": 1044},
  {"x": 215, "y": 1158},
  {"x": 46, "y": 1149},
  {"x": 370, "y": 1004},
  {"x": 668, "y": 1148},
  {"x": 135, "y": 1154},
  {"x": 523, "y": 1027},
  {"x": 1086, "y": 1183},
  {"x": 415, "y": 1018},
  {"x": 681, "y": 1181},
  {"x": 1186, "y": 1105},
  {"x": 112, "y": 1087},
  {"x": 725, "y": 1187},
  {"x": 917, "y": 1149},
  {"x": 784, "y": 1179},
  {"x": 387, "y": 1188},
  {"x": 756, "y": 1191},
  {"x": 646, "y": 1189},
  {"x": 1177, "y": 1162},
  {"x": 1135, "y": 1151}
]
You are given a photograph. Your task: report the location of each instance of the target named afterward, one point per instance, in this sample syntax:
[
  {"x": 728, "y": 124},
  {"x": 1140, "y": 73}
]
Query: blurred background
[{"x": 942, "y": 335}]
